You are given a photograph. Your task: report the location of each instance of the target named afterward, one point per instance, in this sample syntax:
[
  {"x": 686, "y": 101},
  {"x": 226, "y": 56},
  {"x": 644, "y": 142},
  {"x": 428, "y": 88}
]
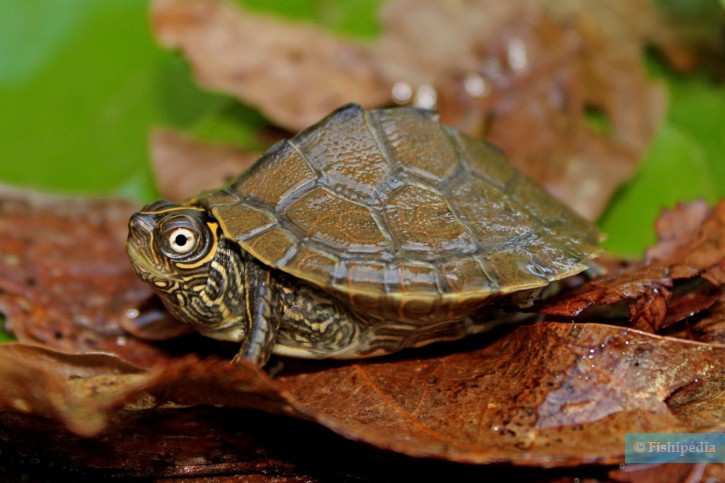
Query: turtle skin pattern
[{"x": 400, "y": 217}]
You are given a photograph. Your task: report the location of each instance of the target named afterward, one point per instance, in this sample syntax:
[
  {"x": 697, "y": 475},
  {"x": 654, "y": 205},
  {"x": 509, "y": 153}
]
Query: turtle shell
[{"x": 401, "y": 216}]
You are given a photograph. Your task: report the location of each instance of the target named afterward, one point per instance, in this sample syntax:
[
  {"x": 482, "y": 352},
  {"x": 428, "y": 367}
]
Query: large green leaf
[{"x": 81, "y": 83}]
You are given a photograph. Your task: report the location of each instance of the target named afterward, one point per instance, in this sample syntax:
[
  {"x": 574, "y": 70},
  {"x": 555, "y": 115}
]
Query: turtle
[{"x": 367, "y": 233}]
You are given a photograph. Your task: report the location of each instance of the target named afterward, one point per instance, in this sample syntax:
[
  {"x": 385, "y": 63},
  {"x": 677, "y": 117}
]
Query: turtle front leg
[{"x": 260, "y": 338}]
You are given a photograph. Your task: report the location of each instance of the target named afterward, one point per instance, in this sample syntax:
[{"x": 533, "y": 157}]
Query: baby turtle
[{"x": 369, "y": 232}]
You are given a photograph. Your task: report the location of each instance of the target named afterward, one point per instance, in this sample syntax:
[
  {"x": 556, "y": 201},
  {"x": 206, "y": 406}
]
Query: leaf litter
[
  {"x": 184, "y": 167},
  {"x": 550, "y": 394},
  {"x": 693, "y": 257},
  {"x": 567, "y": 78}
]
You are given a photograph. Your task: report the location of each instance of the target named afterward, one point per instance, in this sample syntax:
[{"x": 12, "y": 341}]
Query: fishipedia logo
[{"x": 674, "y": 448}]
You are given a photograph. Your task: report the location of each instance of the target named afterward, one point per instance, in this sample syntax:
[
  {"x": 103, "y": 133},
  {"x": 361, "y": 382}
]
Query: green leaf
[
  {"x": 230, "y": 123},
  {"x": 78, "y": 104},
  {"x": 4, "y": 336},
  {"x": 674, "y": 170},
  {"x": 353, "y": 18},
  {"x": 685, "y": 162}
]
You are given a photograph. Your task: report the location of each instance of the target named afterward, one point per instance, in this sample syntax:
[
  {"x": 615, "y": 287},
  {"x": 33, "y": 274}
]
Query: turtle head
[{"x": 173, "y": 247}]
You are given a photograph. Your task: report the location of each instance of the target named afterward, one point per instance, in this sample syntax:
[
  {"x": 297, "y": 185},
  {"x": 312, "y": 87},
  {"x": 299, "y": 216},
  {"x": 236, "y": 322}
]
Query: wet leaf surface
[
  {"x": 570, "y": 77},
  {"x": 694, "y": 256},
  {"x": 535, "y": 395},
  {"x": 65, "y": 281},
  {"x": 204, "y": 444}
]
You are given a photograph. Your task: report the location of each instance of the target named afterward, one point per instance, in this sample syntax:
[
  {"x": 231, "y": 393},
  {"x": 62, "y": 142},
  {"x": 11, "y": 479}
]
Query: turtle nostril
[{"x": 140, "y": 223}]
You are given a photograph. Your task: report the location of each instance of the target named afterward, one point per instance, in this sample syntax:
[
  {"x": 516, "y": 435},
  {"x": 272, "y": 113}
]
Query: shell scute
[
  {"x": 484, "y": 160},
  {"x": 466, "y": 275},
  {"x": 276, "y": 244},
  {"x": 243, "y": 221},
  {"x": 311, "y": 264},
  {"x": 513, "y": 270},
  {"x": 418, "y": 143},
  {"x": 342, "y": 149},
  {"x": 368, "y": 276},
  {"x": 413, "y": 276},
  {"x": 282, "y": 171},
  {"x": 420, "y": 219},
  {"x": 493, "y": 219},
  {"x": 334, "y": 221}
]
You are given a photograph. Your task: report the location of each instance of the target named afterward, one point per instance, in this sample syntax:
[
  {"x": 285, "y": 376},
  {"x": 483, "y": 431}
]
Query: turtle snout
[
  {"x": 140, "y": 224},
  {"x": 140, "y": 236}
]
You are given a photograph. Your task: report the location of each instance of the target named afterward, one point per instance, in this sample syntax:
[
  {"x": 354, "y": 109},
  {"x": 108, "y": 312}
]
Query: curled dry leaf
[
  {"x": 185, "y": 167},
  {"x": 65, "y": 280},
  {"x": 78, "y": 390},
  {"x": 696, "y": 252},
  {"x": 676, "y": 228},
  {"x": 707, "y": 327},
  {"x": 506, "y": 71}
]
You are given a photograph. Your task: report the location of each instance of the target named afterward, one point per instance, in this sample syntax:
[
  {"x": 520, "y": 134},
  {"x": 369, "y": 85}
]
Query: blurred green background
[{"x": 82, "y": 83}]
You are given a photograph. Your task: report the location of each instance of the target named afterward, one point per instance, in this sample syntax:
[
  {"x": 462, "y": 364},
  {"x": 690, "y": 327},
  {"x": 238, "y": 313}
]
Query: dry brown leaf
[
  {"x": 707, "y": 327},
  {"x": 540, "y": 78},
  {"x": 218, "y": 445},
  {"x": 669, "y": 473},
  {"x": 65, "y": 280},
  {"x": 508, "y": 71},
  {"x": 185, "y": 167},
  {"x": 279, "y": 66},
  {"x": 51, "y": 384},
  {"x": 193, "y": 444},
  {"x": 535, "y": 397},
  {"x": 550, "y": 394},
  {"x": 647, "y": 288},
  {"x": 676, "y": 228}
]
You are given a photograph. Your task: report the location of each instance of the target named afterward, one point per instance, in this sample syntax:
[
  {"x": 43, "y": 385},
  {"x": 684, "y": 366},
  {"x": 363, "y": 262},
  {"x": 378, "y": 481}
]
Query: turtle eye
[{"x": 182, "y": 240}]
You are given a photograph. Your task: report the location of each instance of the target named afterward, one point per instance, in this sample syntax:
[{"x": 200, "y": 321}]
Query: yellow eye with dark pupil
[{"x": 182, "y": 240}]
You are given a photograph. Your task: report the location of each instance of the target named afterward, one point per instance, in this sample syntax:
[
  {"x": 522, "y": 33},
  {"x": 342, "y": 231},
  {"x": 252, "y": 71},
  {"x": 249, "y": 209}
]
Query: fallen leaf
[
  {"x": 182, "y": 443},
  {"x": 708, "y": 326},
  {"x": 281, "y": 67},
  {"x": 577, "y": 93},
  {"x": 46, "y": 383},
  {"x": 65, "y": 280},
  {"x": 505, "y": 71},
  {"x": 647, "y": 288},
  {"x": 690, "y": 35},
  {"x": 668, "y": 473},
  {"x": 185, "y": 167},
  {"x": 218, "y": 444},
  {"x": 535, "y": 397},
  {"x": 549, "y": 394},
  {"x": 675, "y": 228}
]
